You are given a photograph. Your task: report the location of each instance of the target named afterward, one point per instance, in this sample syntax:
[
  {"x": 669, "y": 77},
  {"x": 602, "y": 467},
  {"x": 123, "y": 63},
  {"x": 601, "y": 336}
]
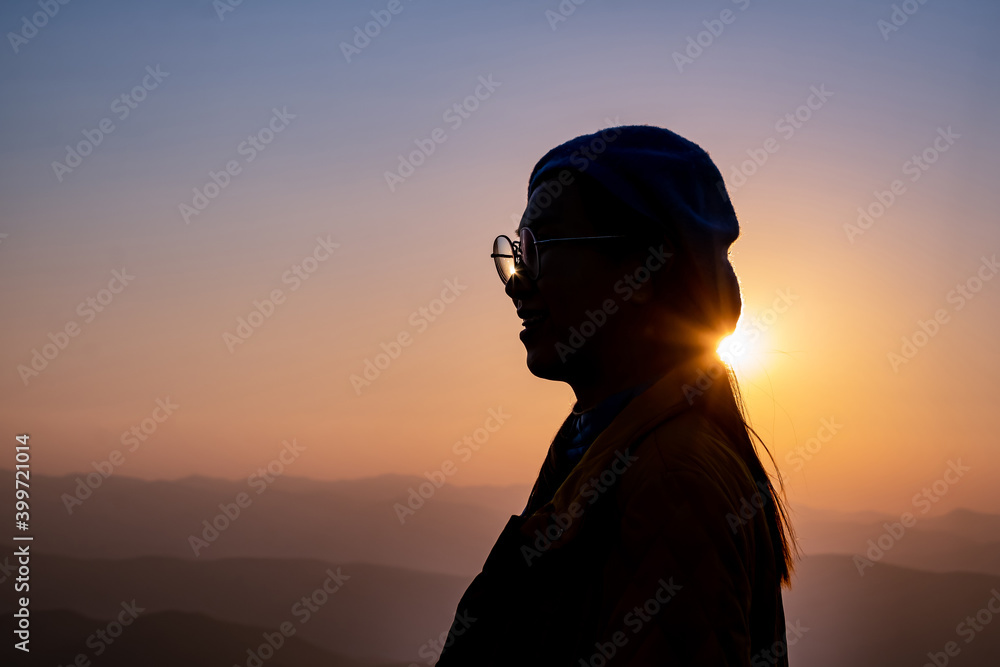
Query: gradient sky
[{"x": 323, "y": 176}]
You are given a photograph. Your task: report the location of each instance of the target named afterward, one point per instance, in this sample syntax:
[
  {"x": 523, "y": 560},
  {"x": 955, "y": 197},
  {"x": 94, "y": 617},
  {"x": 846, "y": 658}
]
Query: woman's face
[{"x": 574, "y": 309}]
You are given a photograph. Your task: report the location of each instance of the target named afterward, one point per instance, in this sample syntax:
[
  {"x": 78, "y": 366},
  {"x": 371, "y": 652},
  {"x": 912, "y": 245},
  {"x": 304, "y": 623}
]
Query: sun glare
[{"x": 742, "y": 349}]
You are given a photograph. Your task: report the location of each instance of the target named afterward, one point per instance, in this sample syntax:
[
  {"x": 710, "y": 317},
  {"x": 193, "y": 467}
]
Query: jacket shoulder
[
  {"x": 688, "y": 466},
  {"x": 691, "y": 444}
]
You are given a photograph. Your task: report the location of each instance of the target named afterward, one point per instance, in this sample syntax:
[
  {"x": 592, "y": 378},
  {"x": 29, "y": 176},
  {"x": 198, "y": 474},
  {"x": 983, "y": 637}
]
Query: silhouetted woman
[{"x": 653, "y": 534}]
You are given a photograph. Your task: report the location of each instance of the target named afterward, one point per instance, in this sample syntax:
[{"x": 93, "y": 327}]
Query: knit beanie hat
[{"x": 673, "y": 183}]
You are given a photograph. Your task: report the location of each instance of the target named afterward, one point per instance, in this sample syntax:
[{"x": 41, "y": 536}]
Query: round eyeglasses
[{"x": 512, "y": 257}]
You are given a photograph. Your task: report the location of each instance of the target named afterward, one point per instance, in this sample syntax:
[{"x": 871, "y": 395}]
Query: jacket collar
[{"x": 608, "y": 457}]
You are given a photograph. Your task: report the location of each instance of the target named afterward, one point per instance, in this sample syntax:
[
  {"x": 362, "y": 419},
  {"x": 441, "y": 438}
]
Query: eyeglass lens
[
  {"x": 503, "y": 257},
  {"x": 529, "y": 252},
  {"x": 527, "y": 255}
]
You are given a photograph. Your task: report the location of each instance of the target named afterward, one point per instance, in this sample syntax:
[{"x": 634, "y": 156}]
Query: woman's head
[
  {"x": 662, "y": 284},
  {"x": 631, "y": 274},
  {"x": 626, "y": 272}
]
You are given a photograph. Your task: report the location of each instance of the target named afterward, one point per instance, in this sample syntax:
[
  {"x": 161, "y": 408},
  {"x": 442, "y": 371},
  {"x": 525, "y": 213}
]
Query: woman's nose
[{"x": 518, "y": 285}]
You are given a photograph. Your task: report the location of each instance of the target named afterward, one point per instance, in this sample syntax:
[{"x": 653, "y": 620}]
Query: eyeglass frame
[{"x": 518, "y": 257}]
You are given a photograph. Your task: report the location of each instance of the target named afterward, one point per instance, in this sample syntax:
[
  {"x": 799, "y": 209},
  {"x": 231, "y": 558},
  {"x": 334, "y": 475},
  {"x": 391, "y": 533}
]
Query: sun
[{"x": 743, "y": 349}]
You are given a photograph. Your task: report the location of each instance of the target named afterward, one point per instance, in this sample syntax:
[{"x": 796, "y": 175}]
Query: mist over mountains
[{"x": 353, "y": 580}]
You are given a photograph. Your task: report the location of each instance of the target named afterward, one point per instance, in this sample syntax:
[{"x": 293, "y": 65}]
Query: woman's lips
[{"x": 531, "y": 320}]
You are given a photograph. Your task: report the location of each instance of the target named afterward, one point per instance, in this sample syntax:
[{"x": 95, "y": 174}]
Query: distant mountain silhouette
[
  {"x": 890, "y": 616},
  {"x": 379, "y": 613},
  {"x": 339, "y": 521},
  {"x": 130, "y": 540},
  {"x": 170, "y": 639},
  {"x": 355, "y": 521},
  {"x": 961, "y": 540},
  {"x": 976, "y": 526}
]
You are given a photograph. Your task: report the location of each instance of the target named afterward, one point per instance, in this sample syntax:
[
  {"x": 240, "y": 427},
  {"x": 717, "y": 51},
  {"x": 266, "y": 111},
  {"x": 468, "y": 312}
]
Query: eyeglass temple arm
[{"x": 581, "y": 238}]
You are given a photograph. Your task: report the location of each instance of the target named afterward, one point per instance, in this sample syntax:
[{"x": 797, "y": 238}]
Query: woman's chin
[{"x": 543, "y": 360}]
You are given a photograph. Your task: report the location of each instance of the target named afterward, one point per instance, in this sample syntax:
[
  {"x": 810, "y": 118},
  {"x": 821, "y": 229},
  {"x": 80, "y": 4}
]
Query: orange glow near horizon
[{"x": 845, "y": 277}]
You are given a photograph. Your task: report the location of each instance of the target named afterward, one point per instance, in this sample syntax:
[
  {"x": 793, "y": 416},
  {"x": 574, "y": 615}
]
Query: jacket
[{"x": 651, "y": 551}]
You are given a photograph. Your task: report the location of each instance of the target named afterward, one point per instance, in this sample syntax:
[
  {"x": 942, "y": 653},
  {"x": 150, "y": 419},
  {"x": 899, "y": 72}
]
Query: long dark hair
[
  {"x": 723, "y": 403},
  {"x": 712, "y": 311}
]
